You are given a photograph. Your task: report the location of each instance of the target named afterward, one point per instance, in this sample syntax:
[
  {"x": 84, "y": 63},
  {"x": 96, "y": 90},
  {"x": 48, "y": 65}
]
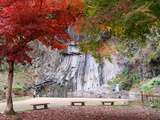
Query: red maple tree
[{"x": 22, "y": 21}]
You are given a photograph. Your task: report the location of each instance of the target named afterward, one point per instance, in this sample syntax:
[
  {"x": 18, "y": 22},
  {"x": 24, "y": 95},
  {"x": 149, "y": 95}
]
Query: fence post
[{"x": 142, "y": 98}]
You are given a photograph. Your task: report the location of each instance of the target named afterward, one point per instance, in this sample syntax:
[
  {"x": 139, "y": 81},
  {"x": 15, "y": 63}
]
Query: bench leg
[
  {"x": 83, "y": 104},
  {"x": 45, "y": 106},
  {"x": 72, "y": 104},
  {"x": 103, "y": 103},
  {"x": 34, "y": 107},
  {"x": 112, "y": 104}
]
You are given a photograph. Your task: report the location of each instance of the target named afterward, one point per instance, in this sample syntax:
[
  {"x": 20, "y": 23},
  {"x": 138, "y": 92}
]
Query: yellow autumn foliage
[
  {"x": 118, "y": 30},
  {"x": 105, "y": 27},
  {"x": 106, "y": 49}
]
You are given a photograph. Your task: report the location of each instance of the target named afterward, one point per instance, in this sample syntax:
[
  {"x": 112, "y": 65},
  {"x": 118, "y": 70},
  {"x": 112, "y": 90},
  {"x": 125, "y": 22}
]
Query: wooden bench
[
  {"x": 78, "y": 103},
  {"x": 107, "y": 103},
  {"x": 36, "y": 105}
]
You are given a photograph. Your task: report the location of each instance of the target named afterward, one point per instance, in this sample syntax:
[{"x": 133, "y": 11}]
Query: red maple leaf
[{"x": 22, "y": 21}]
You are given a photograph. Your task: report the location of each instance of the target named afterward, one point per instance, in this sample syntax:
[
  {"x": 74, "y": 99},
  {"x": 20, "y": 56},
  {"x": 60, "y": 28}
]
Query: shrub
[
  {"x": 126, "y": 79},
  {"x": 151, "y": 85},
  {"x": 18, "y": 87}
]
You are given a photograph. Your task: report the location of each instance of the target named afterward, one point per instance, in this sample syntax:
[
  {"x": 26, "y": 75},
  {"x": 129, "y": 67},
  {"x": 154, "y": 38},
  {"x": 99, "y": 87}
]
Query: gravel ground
[
  {"x": 87, "y": 113},
  {"x": 25, "y": 104}
]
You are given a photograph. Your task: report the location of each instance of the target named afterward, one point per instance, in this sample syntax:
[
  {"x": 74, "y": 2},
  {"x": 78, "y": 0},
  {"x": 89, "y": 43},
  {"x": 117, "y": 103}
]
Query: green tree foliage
[
  {"x": 151, "y": 85},
  {"x": 94, "y": 7},
  {"x": 129, "y": 20},
  {"x": 90, "y": 46},
  {"x": 126, "y": 79},
  {"x": 134, "y": 16}
]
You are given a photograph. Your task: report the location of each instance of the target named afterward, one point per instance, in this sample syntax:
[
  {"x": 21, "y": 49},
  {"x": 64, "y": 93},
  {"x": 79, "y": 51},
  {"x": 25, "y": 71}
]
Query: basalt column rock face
[{"x": 75, "y": 74}]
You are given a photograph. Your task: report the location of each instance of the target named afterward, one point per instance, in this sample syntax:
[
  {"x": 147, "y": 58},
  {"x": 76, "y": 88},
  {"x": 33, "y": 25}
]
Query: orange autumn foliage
[{"x": 22, "y": 21}]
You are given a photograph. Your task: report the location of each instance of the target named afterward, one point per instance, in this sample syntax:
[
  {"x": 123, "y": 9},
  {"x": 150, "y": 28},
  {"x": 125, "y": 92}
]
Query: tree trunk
[
  {"x": 0, "y": 68},
  {"x": 9, "y": 106}
]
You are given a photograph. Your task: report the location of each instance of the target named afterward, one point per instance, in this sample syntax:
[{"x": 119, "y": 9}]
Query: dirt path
[{"x": 25, "y": 105}]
